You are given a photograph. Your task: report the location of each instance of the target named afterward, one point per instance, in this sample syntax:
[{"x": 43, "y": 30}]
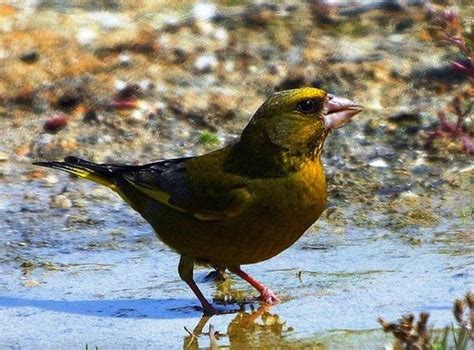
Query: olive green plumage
[{"x": 239, "y": 205}]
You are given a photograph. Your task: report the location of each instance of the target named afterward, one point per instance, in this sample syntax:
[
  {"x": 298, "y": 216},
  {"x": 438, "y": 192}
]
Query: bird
[{"x": 241, "y": 204}]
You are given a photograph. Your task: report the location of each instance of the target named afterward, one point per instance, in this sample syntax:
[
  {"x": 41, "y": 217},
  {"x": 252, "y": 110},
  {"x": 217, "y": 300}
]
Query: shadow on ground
[{"x": 126, "y": 308}]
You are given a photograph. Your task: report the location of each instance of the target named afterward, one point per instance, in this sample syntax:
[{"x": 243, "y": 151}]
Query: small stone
[
  {"x": 4, "y": 157},
  {"x": 397, "y": 38},
  {"x": 56, "y": 123},
  {"x": 105, "y": 139},
  {"x": 206, "y": 63},
  {"x": 405, "y": 118},
  {"x": 222, "y": 35},
  {"x": 22, "y": 151},
  {"x": 90, "y": 116},
  {"x": 86, "y": 36},
  {"x": 128, "y": 91},
  {"x": 378, "y": 163},
  {"x": 101, "y": 193},
  {"x": 30, "y": 57},
  {"x": 44, "y": 139},
  {"x": 80, "y": 203},
  {"x": 146, "y": 85},
  {"x": 123, "y": 105},
  {"x": 60, "y": 201},
  {"x": 35, "y": 174},
  {"x": 137, "y": 116},
  {"x": 229, "y": 66},
  {"x": 70, "y": 99},
  {"x": 204, "y": 11},
  {"x": 205, "y": 28},
  {"x": 51, "y": 179},
  {"x": 179, "y": 55},
  {"x": 120, "y": 85},
  {"x": 108, "y": 20},
  {"x": 125, "y": 60},
  {"x": 408, "y": 197},
  {"x": 421, "y": 169},
  {"x": 253, "y": 69}
]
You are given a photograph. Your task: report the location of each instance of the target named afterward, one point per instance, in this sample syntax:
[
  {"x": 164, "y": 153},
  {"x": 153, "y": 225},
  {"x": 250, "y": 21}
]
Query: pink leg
[{"x": 266, "y": 295}]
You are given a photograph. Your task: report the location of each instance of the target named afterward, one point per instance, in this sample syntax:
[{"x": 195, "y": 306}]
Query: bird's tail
[{"x": 103, "y": 174}]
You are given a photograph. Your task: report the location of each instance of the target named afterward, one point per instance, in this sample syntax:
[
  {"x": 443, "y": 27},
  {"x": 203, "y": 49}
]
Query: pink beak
[{"x": 339, "y": 111}]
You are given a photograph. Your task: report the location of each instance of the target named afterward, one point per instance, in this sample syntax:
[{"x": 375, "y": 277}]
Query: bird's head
[{"x": 299, "y": 120}]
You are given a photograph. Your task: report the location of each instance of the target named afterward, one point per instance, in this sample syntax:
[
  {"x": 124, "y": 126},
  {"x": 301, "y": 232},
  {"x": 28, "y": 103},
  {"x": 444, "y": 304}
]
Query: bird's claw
[
  {"x": 209, "y": 310},
  {"x": 268, "y": 297},
  {"x": 212, "y": 311}
]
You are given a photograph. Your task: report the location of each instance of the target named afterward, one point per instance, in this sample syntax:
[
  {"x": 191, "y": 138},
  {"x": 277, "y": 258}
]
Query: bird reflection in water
[{"x": 257, "y": 328}]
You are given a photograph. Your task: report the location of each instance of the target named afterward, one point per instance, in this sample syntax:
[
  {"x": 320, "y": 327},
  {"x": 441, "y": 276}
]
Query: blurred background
[{"x": 137, "y": 81}]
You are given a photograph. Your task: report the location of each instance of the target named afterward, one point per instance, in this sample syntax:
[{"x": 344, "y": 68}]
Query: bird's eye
[{"x": 307, "y": 106}]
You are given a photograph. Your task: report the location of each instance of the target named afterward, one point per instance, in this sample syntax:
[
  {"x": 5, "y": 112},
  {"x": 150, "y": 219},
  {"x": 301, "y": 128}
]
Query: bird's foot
[
  {"x": 209, "y": 310},
  {"x": 268, "y": 297}
]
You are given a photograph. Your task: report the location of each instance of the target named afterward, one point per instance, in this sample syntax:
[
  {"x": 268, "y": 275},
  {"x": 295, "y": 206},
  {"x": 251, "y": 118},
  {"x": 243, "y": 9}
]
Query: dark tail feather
[{"x": 100, "y": 173}]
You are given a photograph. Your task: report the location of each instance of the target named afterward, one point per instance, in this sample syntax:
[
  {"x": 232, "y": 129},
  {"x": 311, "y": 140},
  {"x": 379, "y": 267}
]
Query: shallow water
[
  {"x": 398, "y": 235},
  {"x": 95, "y": 274}
]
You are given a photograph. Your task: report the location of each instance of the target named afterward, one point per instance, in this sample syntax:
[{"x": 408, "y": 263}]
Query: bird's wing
[{"x": 207, "y": 195}]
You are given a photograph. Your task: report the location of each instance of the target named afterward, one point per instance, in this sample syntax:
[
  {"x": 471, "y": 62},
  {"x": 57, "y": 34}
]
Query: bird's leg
[
  {"x": 266, "y": 295},
  {"x": 185, "y": 270}
]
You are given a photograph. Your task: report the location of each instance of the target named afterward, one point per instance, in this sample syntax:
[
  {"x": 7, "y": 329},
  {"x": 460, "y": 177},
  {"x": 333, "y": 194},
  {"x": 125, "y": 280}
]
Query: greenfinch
[{"x": 242, "y": 204}]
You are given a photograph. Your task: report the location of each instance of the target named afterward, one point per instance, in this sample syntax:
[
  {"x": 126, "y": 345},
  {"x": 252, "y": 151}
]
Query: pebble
[
  {"x": 397, "y": 38},
  {"x": 60, "y": 201},
  {"x": 108, "y": 20},
  {"x": 91, "y": 116},
  {"x": 101, "y": 193},
  {"x": 146, "y": 85},
  {"x": 30, "y": 57},
  {"x": 69, "y": 99},
  {"x": 204, "y": 11},
  {"x": 4, "y": 157},
  {"x": 378, "y": 163},
  {"x": 137, "y": 116},
  {"x": 222, "y": 35},
  {"x": 86, "y": 36},
  {"x": 51, "y": 179},
  {"x": 44, "y": 139},
  {"x": 294, "y": 56},
  {"x": 205, "y": 28},
  {"x": 55, "y": 123},
  {"x": 125, "y": 60},
  {"x": 105, "y": 139},
  {"x": 120, "y": 85},
  {"x": 229, "y": 66},
  {"x": 206, "y": 63},
  {"x": 408, "y": 197},
  {"x": 421, "y": 169}
]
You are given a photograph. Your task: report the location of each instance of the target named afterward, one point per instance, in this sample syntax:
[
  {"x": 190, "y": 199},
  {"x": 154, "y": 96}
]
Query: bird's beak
[{"x": 339, "y": 111}]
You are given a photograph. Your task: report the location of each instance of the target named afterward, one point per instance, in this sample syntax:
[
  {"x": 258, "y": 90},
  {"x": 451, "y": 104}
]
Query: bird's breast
[{"x": 283, "y": 209}]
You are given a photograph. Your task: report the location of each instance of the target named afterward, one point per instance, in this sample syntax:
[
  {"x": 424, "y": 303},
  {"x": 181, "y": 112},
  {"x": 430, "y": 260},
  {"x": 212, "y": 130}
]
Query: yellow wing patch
[{"x": 241, "y": 197}]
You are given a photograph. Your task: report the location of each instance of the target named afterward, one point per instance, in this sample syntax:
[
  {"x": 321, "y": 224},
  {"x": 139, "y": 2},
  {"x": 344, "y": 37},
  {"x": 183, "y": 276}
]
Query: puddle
[
  {"x": 96, "y": 266},
  {"x": 141, "y": 83}
]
